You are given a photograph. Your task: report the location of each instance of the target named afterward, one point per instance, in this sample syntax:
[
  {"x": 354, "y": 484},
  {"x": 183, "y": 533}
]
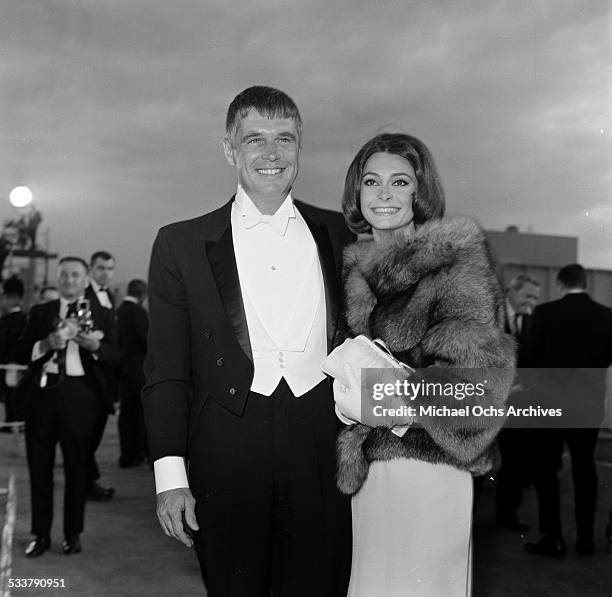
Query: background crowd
[{"x": 64, "y": 382}]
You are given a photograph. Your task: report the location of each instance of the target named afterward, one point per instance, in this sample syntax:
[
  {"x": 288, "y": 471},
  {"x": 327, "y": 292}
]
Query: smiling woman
[
  {"x": 388, "y": 188},
  {"x": 424, "y": 285},
  {"x": 394, "y": 182}
]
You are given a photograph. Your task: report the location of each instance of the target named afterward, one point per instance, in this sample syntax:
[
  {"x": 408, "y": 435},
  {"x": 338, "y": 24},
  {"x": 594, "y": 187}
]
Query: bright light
[{"x": 20, "y": 196}]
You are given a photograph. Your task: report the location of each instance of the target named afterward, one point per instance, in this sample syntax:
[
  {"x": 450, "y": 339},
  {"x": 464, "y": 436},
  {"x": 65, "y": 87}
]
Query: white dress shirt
[
  {"x": 283, "y": 294},
  {"x": 284, "y": 299},
  {"x": 515, "y": 320},
  {"x": 102, "y": 295}
]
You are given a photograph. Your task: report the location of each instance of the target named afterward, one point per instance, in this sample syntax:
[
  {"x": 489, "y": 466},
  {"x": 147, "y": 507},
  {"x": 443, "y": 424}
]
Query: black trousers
[
  {"x": 271, "y": 519},
  {"x": 9, "y": 402},
  {"x": 65, "y": 414},
  {"x": 93, "y": 471},
  {"x": 517, "y": 451},
  {"x": 581, "y": 444},
  {"x": 132, "y": 435}
]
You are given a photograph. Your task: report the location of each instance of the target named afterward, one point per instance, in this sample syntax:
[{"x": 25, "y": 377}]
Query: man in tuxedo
[
  {"x": 244, "y": 307},
  {"x": 11, "y": 326},
  {"x": 102, "y": 301},
  {"x": 514, "y": 445},
  {"x": 570, "y": 342},
  {"x": 132, "y": 329},
  {"x": 64, "y": 388}
]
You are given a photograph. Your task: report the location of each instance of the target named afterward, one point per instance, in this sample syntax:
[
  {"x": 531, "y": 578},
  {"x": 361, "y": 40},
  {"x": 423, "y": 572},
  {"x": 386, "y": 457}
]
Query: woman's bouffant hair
[{"x": 428, "y": 203}]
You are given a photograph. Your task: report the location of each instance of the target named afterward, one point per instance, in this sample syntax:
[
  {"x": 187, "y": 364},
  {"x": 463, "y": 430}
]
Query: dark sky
[{"x": 112, "y": 111}]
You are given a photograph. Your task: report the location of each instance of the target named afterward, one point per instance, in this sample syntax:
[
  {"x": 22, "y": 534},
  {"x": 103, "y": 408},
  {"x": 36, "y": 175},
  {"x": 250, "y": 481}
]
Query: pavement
[{"x": 125, "y": 553}]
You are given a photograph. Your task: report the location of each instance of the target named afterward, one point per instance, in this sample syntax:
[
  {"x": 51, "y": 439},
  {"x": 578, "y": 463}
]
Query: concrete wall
[
  {"x": 542, "y": 256},
  {"x": 535, "y": 249}
]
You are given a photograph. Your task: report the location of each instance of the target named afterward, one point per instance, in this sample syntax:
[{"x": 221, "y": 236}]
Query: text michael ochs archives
[
  {"x": 477, "y": 410},
  {"x": 410, "y": 390}
]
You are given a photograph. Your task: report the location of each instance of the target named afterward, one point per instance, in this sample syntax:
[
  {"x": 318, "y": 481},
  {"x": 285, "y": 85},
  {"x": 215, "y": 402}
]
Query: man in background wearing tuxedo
[
  {"x": 515, "y": 445},
  {"x": 64, "y": 389},
  {"x": 132, "y": 329},
  {"x": 102, "y": 301},
  {"x": 570, "y": 344},
  {"x": 244, "y": 306}
]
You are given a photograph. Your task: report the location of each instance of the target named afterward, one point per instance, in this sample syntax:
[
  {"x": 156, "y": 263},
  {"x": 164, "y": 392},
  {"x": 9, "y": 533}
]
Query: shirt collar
[
  {"x": 510, "y": 310},
  {"x": 64, "y": 302},
  {"x": 246, "y": 206},
  {"x": 94, "y": 285},
  {"x": 130, "y": 299}
]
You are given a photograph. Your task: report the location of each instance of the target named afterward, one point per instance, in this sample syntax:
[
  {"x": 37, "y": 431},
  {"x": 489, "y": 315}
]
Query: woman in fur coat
[{"x": 424, "y": 284}]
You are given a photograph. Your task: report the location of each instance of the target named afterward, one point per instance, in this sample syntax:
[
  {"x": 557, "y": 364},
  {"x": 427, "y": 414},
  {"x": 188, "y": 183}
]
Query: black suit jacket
[
  {"x": 526, "y": 323},
  {"x": 95, "y": 302},
  {"x": 107, "y": 320},
  {"x": 199, "y": 345},
  {"x": 40, "y": 324},
  {"x": 11, "y": 328},
  {"x": 570, "y": 344},
  {"x": 132, "y": 330}
]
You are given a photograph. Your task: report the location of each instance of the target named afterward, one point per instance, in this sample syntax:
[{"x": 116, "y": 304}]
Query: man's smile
[{"x": 269, "y": 171}]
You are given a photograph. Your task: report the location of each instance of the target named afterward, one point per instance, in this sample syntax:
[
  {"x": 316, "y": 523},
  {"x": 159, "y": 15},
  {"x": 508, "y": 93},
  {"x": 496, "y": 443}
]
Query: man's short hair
[
  {"x": 572, "y": 276},
  {"x": 428, "y": 203},
  {"x": 104, "y": 255},
  {"x": 269, "y": 102},
  {"x": 77, "y": 259},
  {"x": 137, "y": 288},
  {"x": 13, "y": 286},
  {"x": 520, "y": 280}
]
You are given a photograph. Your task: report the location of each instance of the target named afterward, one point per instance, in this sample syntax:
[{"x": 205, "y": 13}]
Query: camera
[{"x": 78, "y": 323}]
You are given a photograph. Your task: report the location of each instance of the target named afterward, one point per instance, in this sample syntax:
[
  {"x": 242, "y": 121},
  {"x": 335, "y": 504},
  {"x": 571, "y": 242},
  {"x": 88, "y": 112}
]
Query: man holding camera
[{"x": 64, "y": 389}]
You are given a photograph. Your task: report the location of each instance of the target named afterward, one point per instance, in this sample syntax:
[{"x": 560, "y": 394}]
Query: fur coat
[{"x": 435, "y": 301}]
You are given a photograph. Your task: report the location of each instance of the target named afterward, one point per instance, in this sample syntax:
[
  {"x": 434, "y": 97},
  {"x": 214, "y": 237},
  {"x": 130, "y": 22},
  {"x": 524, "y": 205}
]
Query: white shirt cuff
[
  {"x": 36, "y": 351},
  {"x": 170, "y": 473}
]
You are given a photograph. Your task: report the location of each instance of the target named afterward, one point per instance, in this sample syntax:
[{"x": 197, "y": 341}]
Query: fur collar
[
  {"x": 371, "y": 272},
  {"x": 435, "y": 245}
]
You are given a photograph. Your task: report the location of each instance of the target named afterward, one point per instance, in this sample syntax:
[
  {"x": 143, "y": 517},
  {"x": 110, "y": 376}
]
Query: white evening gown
[{"x": 411, "y": 531}]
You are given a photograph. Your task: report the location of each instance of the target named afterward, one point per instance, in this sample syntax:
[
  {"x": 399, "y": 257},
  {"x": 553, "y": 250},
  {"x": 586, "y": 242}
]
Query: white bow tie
[{"x": 279, "y": 221}]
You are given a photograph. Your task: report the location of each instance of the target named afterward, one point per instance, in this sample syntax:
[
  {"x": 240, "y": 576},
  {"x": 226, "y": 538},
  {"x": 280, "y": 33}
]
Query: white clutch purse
[{"x": 360, "y": 353}]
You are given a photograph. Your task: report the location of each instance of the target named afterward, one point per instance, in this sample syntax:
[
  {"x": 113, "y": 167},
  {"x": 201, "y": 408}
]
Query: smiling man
[
  {"x": 240, "y": 418},
  {"x": 63, "y": 389}
]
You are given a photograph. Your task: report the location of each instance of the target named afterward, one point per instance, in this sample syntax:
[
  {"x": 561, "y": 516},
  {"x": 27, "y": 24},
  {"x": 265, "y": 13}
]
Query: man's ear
[{"x": 228, "y": 151}]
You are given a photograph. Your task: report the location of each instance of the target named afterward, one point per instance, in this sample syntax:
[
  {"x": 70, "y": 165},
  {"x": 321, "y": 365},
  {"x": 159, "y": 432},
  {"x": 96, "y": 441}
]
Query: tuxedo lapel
[
  {"x": 45, "y": 324},
  {"x": 222, "y": 261},
  {"x": 507, "y": 327},
  {"x": 52, "y": 314},
  {"x": 330, "y": 273}
]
